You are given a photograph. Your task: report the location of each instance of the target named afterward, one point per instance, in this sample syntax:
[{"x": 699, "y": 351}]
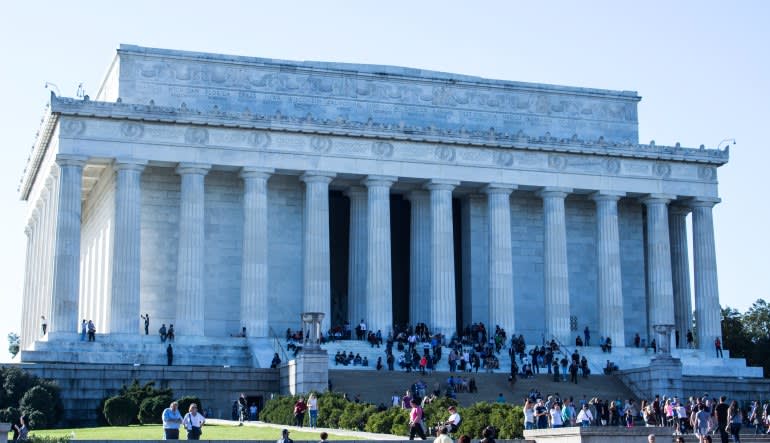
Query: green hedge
[
  {"x": 120, "y": 410},
  {"x": 24, "y": 393},
  {"x": 337, "y": 413},
  {"x": 185, "y": 402}
]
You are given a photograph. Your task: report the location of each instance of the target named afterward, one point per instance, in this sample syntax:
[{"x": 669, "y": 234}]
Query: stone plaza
[{"x": 218, "y": 192}]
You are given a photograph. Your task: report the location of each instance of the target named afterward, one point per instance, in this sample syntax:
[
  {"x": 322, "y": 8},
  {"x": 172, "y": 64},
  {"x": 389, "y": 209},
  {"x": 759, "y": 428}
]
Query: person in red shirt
[{"x": 300, "y": 407}]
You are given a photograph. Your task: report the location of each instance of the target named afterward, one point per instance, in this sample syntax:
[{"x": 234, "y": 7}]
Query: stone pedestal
[
  {"x": 308, "y": 372},
  {"x": 662, "y": 377},
  {"x": 4, "y": 429}
]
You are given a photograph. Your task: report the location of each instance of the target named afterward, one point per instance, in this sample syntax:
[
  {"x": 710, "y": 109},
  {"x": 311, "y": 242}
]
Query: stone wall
[{"x": 85, "y": 385}]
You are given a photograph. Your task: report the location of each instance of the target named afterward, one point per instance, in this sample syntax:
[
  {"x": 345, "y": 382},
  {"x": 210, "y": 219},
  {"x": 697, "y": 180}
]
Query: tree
[
  {"x": 756, "y": 321},
  {"x": 13, "y": 344}
]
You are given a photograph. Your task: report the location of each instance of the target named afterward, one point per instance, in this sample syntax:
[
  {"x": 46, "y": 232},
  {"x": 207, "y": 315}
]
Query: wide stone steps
[
  {"x": 143, "y": 350},
  {"x": 361, "y": 383}
]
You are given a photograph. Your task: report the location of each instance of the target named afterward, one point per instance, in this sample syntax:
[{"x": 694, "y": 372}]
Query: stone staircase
[
  {"x": 695, "y": 362},
  {"x": 378, "y": 388}
]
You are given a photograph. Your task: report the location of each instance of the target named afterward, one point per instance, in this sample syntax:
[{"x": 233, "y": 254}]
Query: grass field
[{"x": 155, "y": 432}]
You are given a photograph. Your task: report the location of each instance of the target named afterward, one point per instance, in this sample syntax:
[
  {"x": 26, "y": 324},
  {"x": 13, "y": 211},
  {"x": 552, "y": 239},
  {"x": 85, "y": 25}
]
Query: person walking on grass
[
  {"x": 193, "y": 422},
  {"x": 172, "y": 419}
]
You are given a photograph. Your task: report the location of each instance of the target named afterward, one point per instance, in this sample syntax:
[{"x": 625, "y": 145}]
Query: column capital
[
  {"x": 379, "y": 180},
  {"x": 499, "y": 188},
  {"x": 356, "y": 192},
  {"x": 679, "y": 208},
  {"x": 553, "y": 192},
  {"x": 193, "y": 168},
  {"x": 701, "y": 202},
  {"x": 71, "y": 160},
  {"x": 607, "y": 195},
  {"x": 441, "y": 185},
  {"x": 129, "y": 164},
  {"x": 651, "y": 199},
  {"x": 317, "y": 177},
  {"x": 248, "y": 172}
]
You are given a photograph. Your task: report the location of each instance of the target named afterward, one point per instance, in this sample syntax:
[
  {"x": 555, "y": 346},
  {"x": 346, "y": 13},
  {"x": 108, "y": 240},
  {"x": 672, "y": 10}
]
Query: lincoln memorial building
[{"x": 217, "y": 192}]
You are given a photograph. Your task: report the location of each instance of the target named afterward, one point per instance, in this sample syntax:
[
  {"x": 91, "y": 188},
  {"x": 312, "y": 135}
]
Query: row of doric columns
[{"x": 432, "y": 284}]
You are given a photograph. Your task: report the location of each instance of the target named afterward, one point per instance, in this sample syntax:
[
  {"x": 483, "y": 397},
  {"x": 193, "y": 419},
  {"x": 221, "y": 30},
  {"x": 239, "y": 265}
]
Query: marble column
[
  {"x": 357, "y": 257},
  {"x": 419, "y": 257},
  {"x": 126, "y": 255},
  {"x": 610, "y": 282},
  {"x": 26, "y": 317},
  {"x": 190, "y": 316},
  {"x": 317, "y": 279},
  {"x": 556, "y": 271},
  {"x": 443, "y": 308},
  {"x": 379, "y": 285},
  {"x": 660, "y": 291},
  {"x": 254, "y": 266},
  {"x": 500, "y": 258},
  {"x": 707, "y": 308},
  {"x": 680, "y": 270},
  {"x": 66, "y": 269}
]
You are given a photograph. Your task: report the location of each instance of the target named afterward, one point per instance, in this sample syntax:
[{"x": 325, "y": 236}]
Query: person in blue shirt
[{"x": 172, "y": 419}]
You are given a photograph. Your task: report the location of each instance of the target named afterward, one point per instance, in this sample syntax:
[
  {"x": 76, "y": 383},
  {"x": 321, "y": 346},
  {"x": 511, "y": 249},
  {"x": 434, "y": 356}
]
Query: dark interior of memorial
[{"x": 339, "y": 231}]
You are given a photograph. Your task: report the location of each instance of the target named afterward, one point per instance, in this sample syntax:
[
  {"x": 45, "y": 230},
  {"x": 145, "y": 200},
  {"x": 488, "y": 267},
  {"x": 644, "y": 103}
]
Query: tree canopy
[{"x": 748, "y": 335}]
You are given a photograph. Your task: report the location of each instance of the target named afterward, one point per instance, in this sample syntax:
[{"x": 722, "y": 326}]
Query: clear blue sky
[{"x": 702, "y": 68}]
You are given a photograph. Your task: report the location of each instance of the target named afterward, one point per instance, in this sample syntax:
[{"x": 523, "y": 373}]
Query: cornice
[{"x": 216, "y": 117}]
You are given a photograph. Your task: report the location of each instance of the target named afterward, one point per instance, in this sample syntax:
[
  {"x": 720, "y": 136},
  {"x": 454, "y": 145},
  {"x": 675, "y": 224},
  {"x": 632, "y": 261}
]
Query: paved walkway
[{"x": 261, "y": 424}]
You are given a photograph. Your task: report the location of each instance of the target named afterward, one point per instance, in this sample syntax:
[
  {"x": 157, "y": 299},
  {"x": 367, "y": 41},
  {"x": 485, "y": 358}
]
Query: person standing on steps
[
  {"x": 146, "y": 318},
  {"x": 587, "y": 336},
  {"x": 83, "y": 330},
  {"x": 91, "y": 331},
  {"x": 170, "y": 355},
  {"x": 43, "y": 324},
  {"x": 718, "y": 346}
]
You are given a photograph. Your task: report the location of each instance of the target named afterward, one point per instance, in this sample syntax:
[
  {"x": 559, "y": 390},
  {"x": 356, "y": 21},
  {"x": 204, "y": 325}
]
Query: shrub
[
  {"x": 10, "y": 415},
  {"x": 15, "y": 384},
  {"x": 151, "y": 409},
  {"x": 330, "y": 408},
  {"x": 186, "y": 401},
  {"x": 393, "y": 421},
  {"x": 37, "y": 420},
  {"x": 38, "y": 399},
  {"x": 355, "y": 416},
  {"x": 55, "y": 392},
  {"x": 279, "y": 410},
  {"x": 120, "y": 410}
]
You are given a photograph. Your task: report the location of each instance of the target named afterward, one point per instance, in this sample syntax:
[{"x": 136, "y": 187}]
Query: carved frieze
[
  {"x": 196, "y": 136},
  {"x": 258, "y": 139},
  {"x": 72, "y": 128},
  {"x": 445, "y": 153},
  {"x": 321, "y": 144},
  {"x": 556, "y": 161},
  {"x": 662, "y": 170},
  {"x": 132, "y": 130},
  {"x": 382, "y": 149}
]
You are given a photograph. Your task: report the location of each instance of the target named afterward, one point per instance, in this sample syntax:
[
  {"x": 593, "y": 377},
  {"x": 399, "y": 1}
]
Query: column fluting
[
  {"x": 610, "y": 282},
  {"x": 556, "y": 271},
  {"x": 659, "y": 284},
  {"x": 419, "y": 257},
  {"x": 317, "y": 279},
  {"x": 190, "y": 317},
  {"x": 500, "y": 257},
  {"x": 66, "y": 270},
  {"x": 126, "y": 254},
  {"x": 357, "y": 255},
  {"x": 680, "y": 270},
  {"x": 443, "y": 309},
  {"x": 707, "y": 308},
  {"x": 379, "y": 285},
  {"x": 254, "y": 266}
]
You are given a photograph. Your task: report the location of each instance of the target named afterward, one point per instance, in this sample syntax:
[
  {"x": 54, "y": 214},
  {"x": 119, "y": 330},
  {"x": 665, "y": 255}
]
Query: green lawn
[{"x": 155, "y": 432}]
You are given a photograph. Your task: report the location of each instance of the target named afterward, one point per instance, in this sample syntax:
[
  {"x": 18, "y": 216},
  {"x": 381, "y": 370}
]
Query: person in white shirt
[
  {"x": 453, "y": 422},
  {"x": 193, "y": 422},
  {"x": 585, "y": 417},
  {"x": 556, "y": 418}
]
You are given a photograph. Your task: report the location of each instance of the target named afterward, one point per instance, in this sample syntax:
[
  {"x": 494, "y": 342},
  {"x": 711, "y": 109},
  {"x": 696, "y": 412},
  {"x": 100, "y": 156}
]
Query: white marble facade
[{"x": 195, "y": 187}]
